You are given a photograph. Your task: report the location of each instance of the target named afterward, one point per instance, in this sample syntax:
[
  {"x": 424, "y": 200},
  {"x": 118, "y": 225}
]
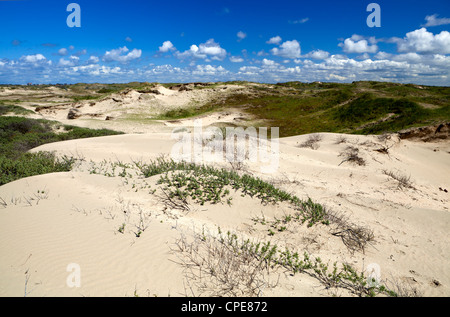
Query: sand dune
[
  {"x": 50, "y": 221},
  {"x": 131, "y": 111}
]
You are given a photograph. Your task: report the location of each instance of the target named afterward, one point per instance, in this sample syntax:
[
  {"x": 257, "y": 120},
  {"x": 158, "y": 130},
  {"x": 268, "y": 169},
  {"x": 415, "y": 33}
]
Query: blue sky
[{"x": 220, "y": 40}]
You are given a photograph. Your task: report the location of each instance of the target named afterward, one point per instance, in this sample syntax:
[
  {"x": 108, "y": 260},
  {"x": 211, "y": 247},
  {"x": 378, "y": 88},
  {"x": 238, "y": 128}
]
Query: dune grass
[
  {"x": 364, "y": 107},
  {"x": 5, "y": 109},
  {"x": 358, "y": 108},
  {"x": 19, "y": 134}
]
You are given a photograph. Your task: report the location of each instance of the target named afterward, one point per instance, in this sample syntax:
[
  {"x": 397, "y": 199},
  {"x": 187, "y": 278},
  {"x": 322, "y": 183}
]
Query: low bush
[
  {"x": 30, "y": 164},
  {"x": 18, "y": 135}
]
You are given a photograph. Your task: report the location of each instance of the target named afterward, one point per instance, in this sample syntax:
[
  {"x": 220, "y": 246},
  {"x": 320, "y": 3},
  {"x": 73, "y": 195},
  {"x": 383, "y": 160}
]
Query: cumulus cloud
[
  {"x": 356, "y": 44},
  {"x": 208, "y": 70},
  {"x": 73, "y": 60},
  {"x": 93, "y": 59},
  {"x": 33, "y": 58},
  {"x": 269, "y": 62},
  {"x": 317, "y": 54},
  {"x": 289, "y": 49},
  {"x": 63, "y": 51},
  {"x": 433, "y": 20},
  {"x": 207, "y": 50},
  {"x": 274, "y": 40},
  {"x": 96, "y": 70},
  {"x": 164, "y": 69},
  {"x": 117, "y": 55},
  {"x": 425, "y": 42},
  {"x": 167, "y": 46}
]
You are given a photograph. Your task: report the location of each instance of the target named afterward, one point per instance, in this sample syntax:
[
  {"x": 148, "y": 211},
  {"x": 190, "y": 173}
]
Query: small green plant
[
  {"x": 122, "y": 228},
  {"x": 345, "y": 277}
]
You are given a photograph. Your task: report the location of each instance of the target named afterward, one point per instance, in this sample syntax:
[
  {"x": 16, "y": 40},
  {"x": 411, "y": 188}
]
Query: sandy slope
[
  {"x": 50, "y": 221},
  {"x": 129, "y": 111}
]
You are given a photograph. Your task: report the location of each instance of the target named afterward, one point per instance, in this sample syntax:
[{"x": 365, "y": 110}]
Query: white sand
[{"x": 76, "y": 219}]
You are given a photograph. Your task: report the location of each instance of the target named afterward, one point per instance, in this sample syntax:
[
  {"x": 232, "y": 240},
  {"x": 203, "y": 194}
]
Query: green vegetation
[
  {"x": 208, "y": 184},
  {"x": 364, "y": 107},
  {"x": 403, "y": 113},
  {"x": 85, "y": 97},
  {"x": 18, "y": 135},
  {"x": 225, "y": 258},
  {"x": 5, "y": 109},
  {"x": 30, "y": 164},
  {"x": 360, "y": 107},
  {"x": 345, "y": 277}
]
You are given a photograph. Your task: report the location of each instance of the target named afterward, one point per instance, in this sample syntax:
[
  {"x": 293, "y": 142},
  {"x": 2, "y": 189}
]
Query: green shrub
[
  {"x": 30, "y": 164},
  {"x": 18, "y": 135},
  {"x": 4, "y": 109},
  {"x": 368, "y": 109}
]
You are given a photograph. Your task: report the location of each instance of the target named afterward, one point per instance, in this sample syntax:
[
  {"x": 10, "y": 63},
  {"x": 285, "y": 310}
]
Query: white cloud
[
  {"x": 289, "y": 49},
  {"x": 208, "y": 70},
  {"x": 317, "y": 54},
  {"x": 433, "y": 20},
  {"x": 249, "y": 70},
  {"x": 358, "y": 45},
  {"x": 63, "y": 51},
  {"x": 73, "y": 60},
  {"x": 117, "y": 55},
  {"x": 95, "y": 70},
  {"x": 268, "y": 62},
  {"x": 241, "y": 35},
  {"x": 63, "y": 62},
  {"x": 167, "y": 46},
  {"x": 274, "y": 40},
  {"x": 93, "y": 59},
  {"x": 236, "y": 59},
  {"x": 383, "y": 55},
  {"x": 207, "y": 50},
  {"x": 128, "y": 39},
  {"x": 422, "y": 41},
  {"x": 33, "y": 58}
]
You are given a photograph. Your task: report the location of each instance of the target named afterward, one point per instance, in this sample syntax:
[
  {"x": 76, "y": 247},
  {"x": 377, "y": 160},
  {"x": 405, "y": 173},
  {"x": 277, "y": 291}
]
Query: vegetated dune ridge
[
  {"x": 128, "y": 241},
  {"x": 358, "y": 107},
  {"x": 131, "y": 110}
]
